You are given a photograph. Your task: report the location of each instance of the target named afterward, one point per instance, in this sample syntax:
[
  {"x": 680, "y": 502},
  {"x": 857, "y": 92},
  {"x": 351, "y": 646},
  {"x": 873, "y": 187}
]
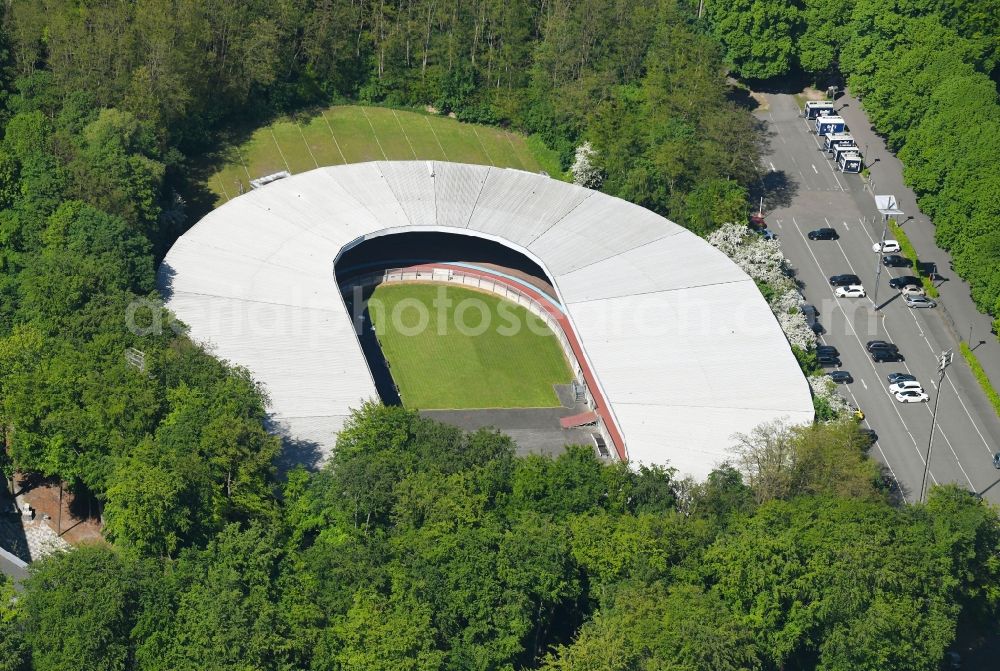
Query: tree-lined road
[{"x": 805, "y": 192}]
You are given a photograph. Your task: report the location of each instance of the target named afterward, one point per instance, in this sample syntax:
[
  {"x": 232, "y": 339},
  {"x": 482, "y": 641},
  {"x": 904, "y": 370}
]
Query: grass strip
[
  {"x": 906, "y": 247},
  {"x": 980, "y": 375}
]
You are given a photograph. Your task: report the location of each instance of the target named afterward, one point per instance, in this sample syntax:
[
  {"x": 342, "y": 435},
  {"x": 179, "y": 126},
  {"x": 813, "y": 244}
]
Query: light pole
[
  {"x": 878, "y": 261},
  {"x": 944, "y": 360}
]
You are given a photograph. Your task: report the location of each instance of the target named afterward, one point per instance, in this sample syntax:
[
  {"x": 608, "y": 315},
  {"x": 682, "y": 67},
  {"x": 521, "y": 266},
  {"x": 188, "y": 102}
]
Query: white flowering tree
[
  {"x": 793, "y": 323},
  {"x": 585, "y": 173},
  {"x": 830, "y": 405},
  {"x": 759, "y": 258},
  {"x": 763, "y": 261},
  {"x": 796, "y": 329},
  {"x": 729, "y": 237}
]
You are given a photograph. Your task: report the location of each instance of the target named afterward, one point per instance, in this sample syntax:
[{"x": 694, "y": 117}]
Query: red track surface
[{"x": 601, "y": 405}]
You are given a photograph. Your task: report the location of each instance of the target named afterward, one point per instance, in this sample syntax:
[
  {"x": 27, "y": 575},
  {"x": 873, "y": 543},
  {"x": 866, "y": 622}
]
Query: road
[{"x": 804, "y": 191}]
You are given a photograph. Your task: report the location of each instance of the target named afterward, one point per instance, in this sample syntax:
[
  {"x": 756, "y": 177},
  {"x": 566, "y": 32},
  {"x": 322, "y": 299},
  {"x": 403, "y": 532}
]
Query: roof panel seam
[
  {"x": 479, "y": 194},
  {"x": 624, "y": 251},
  {"x": 556, "y": 222},
  {"x": 660, "y": 291}
]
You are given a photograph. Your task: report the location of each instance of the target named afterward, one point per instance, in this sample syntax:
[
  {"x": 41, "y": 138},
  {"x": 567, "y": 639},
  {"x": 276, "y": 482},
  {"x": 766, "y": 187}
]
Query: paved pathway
[{"x": 887, "y": 176}]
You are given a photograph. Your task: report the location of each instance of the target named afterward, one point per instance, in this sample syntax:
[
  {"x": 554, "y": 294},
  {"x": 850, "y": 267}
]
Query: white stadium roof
[{"x": 683, "y": 346}]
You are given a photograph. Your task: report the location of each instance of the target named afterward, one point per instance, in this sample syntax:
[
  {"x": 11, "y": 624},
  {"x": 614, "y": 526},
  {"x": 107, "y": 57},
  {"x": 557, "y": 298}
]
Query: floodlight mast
[{"x": 944, "y": 360}]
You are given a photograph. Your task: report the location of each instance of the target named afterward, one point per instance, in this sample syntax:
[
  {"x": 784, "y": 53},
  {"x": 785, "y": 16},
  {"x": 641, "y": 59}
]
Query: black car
[
  {"x": 869, "y": 435},
  {"x": 893, "y": 378},
  {"x": 828, "y": 360},
  {"x": 840, "y": 376},
  {"x": 827, "y": 349},
  {"x": 882, "y": 355},
  {"x": 844, "y": 280},
  {"x": 823, "y": 234},
  {"x": 873, "y": 345},
  {"x": 896, "y": 261},
  {"x": 904, "y": 281}
]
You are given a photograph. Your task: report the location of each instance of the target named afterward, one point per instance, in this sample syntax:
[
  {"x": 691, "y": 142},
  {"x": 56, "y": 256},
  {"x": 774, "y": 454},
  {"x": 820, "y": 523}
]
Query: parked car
[
  {"x": 912, "y": 396},
  {"x": 873, "y": 345},
  {"x": 912, "y": 290},
  {"x": 823, "y": 234},
  {"x": 844, "y": 280},
  {"x": 767, "y": 234},
  {"x": 850, "y": 291},
  {"x": 919, "y": 302},
  {"x": 905, "y": 385},
  {"x": 893, "y": 378},
  {"x": 882, "y": 355},
  {"x": 827, "y": 349},
  {"x": 869, "y": 435},
  {"x": 840, "y": 376},
  {"x": 896, "y": 261},
  {"x": 887, "y": 247},
  {"x": 904, "y": 280},
  {"x": 828, "y": 360}
]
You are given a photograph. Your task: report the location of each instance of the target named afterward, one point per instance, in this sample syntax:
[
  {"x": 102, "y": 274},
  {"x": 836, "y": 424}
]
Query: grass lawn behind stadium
[
  {"x": 438, "y": 369},
  {"x": 356, "y": 133}
]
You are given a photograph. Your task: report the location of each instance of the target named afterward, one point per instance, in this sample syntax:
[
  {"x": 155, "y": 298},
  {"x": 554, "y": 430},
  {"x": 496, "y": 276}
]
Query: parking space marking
[
  {"x": 870, "y": 363},
  {"x": 814, "y": 168},
  {"x": 927, "y": 405},
  {"x": 969, "y": 415}
]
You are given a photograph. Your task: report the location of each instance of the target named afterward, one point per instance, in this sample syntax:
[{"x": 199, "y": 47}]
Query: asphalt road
[{"x": 804, "y": 192}]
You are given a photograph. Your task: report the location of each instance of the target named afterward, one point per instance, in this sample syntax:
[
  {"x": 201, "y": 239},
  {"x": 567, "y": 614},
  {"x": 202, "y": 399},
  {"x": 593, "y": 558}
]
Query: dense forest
[
  {"x": 416, "y": 546},
  {"x": 419, "y": 547},
  {"x": 926, "y": 72}
]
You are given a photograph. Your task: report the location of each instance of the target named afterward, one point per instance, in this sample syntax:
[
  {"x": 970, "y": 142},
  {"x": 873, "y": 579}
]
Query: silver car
[{"x": 916, "y": 301}]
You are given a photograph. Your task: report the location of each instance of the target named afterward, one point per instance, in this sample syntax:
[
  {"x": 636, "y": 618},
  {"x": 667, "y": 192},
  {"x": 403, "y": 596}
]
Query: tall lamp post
[
  {"x": 878, "y": 259},
  {"x": 944, "y": 360}
]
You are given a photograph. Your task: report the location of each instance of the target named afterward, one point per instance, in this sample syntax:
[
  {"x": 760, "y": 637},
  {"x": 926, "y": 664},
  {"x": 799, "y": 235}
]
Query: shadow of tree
[
  {"x": 296, "y": 452},
  {"x": 776, "y": 188},
  {"x": 742, "y": 98}
]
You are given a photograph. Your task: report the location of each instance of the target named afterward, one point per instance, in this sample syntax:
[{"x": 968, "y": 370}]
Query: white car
[
  {"x": 912, "y": 396},
  {"x": 912, "y": 290},
  {"x": 888, "y": 247},
  {"x": 850, "y": 291},
  {"x": 905, "y": 385}
]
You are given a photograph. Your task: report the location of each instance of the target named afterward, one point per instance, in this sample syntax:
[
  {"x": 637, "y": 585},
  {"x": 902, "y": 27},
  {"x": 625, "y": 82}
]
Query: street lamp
[
  {"x": 944, "y": 360},
  {"x": 878, "y": 260}
]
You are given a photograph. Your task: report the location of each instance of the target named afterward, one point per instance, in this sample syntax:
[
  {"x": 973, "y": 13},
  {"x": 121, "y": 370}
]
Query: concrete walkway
[{"x": 959, "y": 312}]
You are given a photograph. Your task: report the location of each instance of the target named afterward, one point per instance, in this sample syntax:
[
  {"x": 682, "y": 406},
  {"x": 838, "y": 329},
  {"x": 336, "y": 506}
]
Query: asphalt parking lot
[{"x": 804, "y": 191}]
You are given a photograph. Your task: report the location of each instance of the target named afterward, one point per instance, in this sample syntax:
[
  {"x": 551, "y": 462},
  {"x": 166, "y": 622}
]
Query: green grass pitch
[
  {"x": 355, "y": 133},
  {"x": 442, "y": 368}
]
